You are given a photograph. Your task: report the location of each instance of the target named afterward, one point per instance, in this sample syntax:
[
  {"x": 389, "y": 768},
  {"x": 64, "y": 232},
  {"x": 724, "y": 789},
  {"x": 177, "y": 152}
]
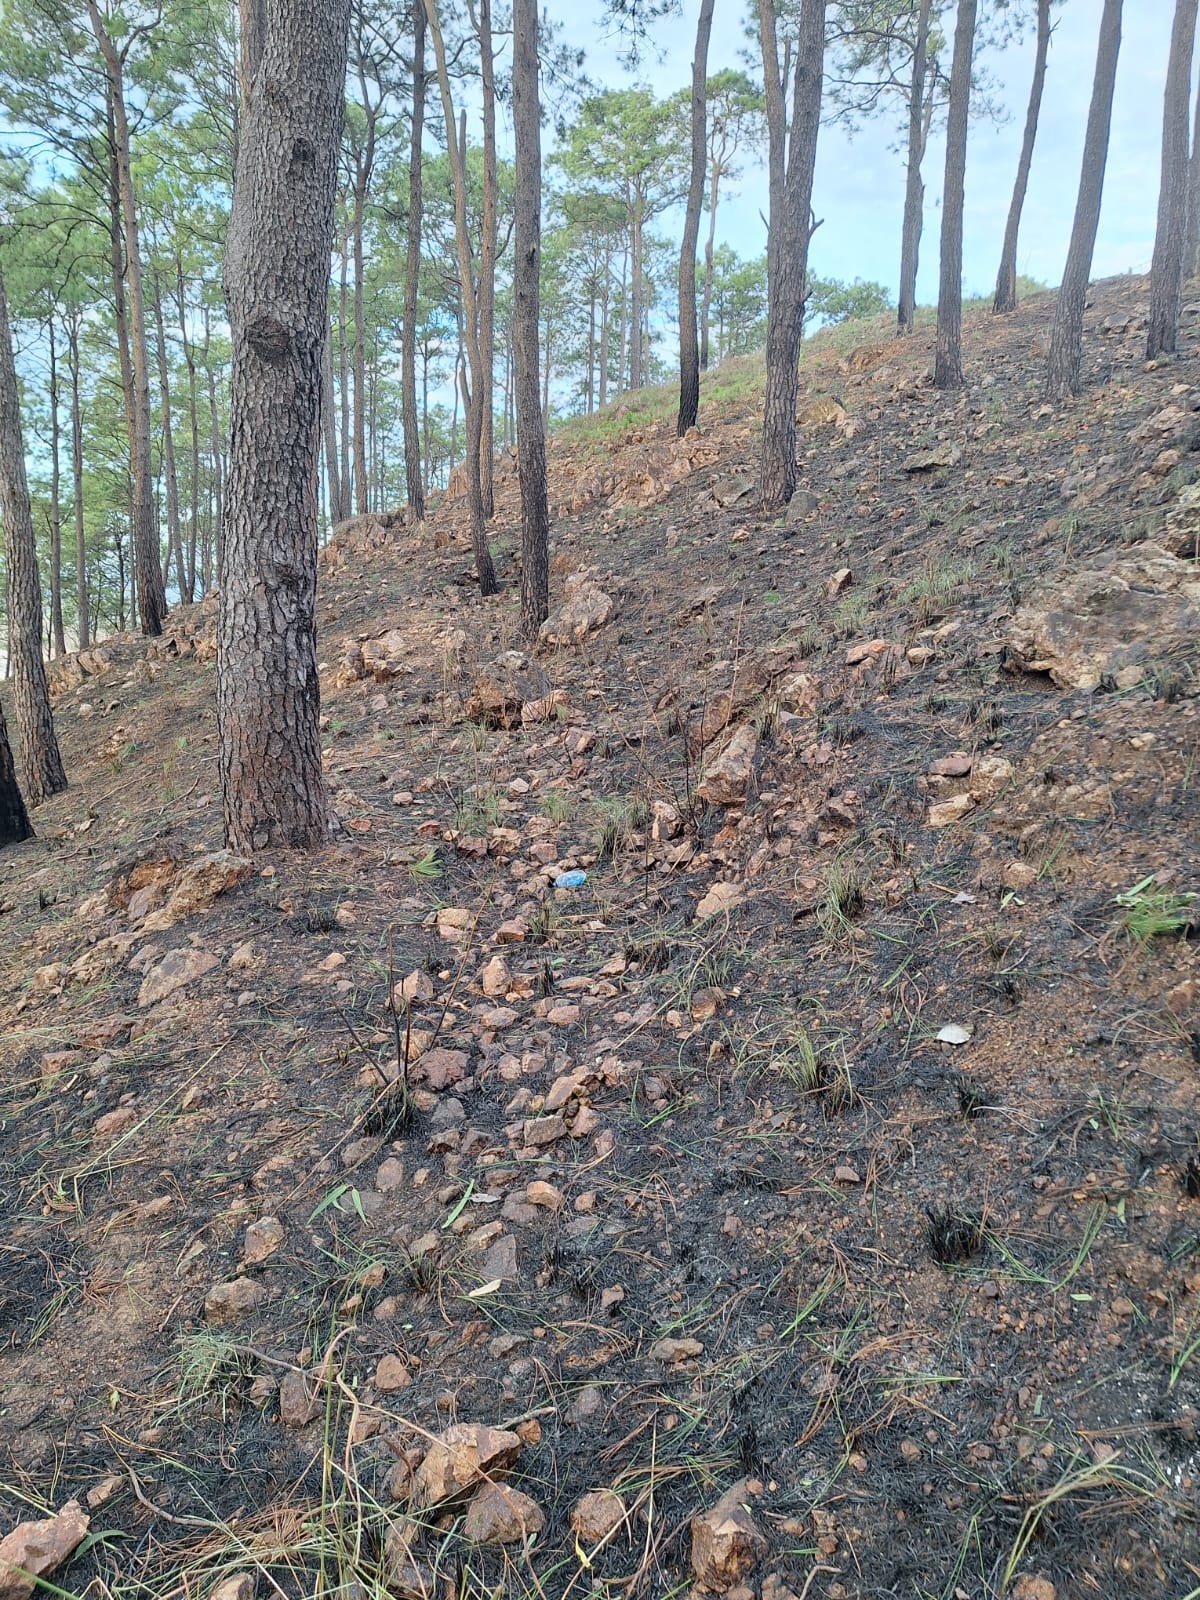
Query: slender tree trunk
[
  {"x": 689, "y": 351},
  {"x": 412, "y": 270},
  {"x": 14, "y": 819},
  {"x": 337, "y": 509},
  {"x": 344, "y": 363},
  {"x": 361, "y": 495},
  {"x": 83, "y": 626},
  {"x": 174, "y": 535},
  {"x": 791, "y": 179},
  {"x": 218, "y": 468},
  {"x": 948, "y": 373},
  {"x": 57, "y": 629},
  {"x": 152, "y": 601},
  {"x": 194, "y": 422},
  {"x": 276, "y": 277},
  {"x": 1166, "y": 268},
  {"x": 470, "y": 306},
  {"x": 914, "y": 188},
  {"x": 1066, "y": 339},
  {"x": 531, "y": 437},
  {"x": 636, "y": 378},
  {"x": 1191, "y": 236},
  {"x": 709, "y": 249},
  {"x": 624, "y": 332},
  {"x": 44, "y": 773},
  {"x": 1006, "y": 278},
  {"x": 605, "y": 293},
  {"x": 487, "y": 263}
]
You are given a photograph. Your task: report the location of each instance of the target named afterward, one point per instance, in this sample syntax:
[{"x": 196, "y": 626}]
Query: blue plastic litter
[{"x": 570, "y": 880}]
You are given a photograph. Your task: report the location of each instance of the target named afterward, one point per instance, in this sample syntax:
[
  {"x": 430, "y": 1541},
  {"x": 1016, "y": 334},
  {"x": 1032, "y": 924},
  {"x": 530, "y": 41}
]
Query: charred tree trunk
[
  {"x": 276, "y": 277},
  {"x": 412, "y": 268},
  {"x": 1166, "y": 268},
  {"x": 948, "y": 373},
  {"x": 1066, "y": 340},
  {"x": 914, "y": 187},
  {"x": 14, "y": 819},
  {"x": 152, "y": 601},
  {"x": 44, "y": 773},
  {"x": 531, "y": 436},
  {"x": 1006, "y": 278},
  {"x": 689, "y": 351},
  {"x": 791, "y": 160}
]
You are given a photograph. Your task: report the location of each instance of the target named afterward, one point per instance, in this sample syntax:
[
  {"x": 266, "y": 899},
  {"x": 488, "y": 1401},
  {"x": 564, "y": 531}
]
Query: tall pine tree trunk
[
  {"x": 337, "y": 509},
  {"x": 14, "y": 819},
  {"x": 412, "y": 268},
  {"x": 948, "y": 373},
  {"x": 361, "y": 493},
  {"x": 689, "y": 351},
  {"x": 1166, "y": 267},
  {"x": 44, "y": 773},
  {"x": 83, "y": 600},
  {"x": 152, "y": 600},
  {"x": 473, "y": 397},
  {"x": 709, "y": 250},
  {"x": 914, "y": 187},
  {"x": 487, "y": 264},
  {"x": 344, "y": 362},
  {"x": 791, "y": 158},
  {"x": 57, "y": 630},
  {"x": 527, "y": 224},
  {"x": 276, "y": 276},
  {"x": 1006, "y": 278},
  {"x": 174, "y": 533},
  {"x": 1066, "y": 339},
  {"x": 194, "y": 424}
]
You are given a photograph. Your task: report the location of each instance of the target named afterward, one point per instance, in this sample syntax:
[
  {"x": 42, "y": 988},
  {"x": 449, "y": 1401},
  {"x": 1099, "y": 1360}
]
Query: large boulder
[
  {"x": 1109, "y": 621},
  {"x": 585, "y": 608}
]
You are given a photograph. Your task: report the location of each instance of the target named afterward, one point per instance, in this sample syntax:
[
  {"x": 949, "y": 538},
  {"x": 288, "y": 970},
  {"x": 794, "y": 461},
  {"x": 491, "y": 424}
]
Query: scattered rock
[
  {"x": 33, "y": 1549},
  {"x": 1030, "y": 1587},
  {"x": 721, "y": 897},
  {"x": 672, "y": 1350},
  {"x": 439, "y": 1068},
  {"x": 198, "y": 885},
  {"x": 496, "y": 978},
  {"x": 263, "y": 1239},
  {"x": 1109, "y": 621},
  {"x": 731, "y": 491},
  {"x": 501, "y": 689},
  {"x": 944, "y": 812},
  {"x": 942, "y": 455},
  {"x": 299, "y": 1400},
  {"x": 230, "y": 1302},
  {"x": 585, "y": 608},
  {"x": 727, "y": 1544},
  {"x": 540, "y": 1193},
  {"x": 417, "y": 986},
  {"x": 392, "y": 1375},
  {"x": 727, "y": 780},
  {"x": 460, "y": 1459},
  {"x": 596, "y": 1515},
  {"x": 175, "y": 971},
  {"x": 239, "y": 1586},
  {"x": 499, "y": 1514},
  {"x": 841, "y": 581}
]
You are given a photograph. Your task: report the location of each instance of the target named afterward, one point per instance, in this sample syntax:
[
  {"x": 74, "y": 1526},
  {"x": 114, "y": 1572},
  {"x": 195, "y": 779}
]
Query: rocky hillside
[{"x": 722, "y": 1114}]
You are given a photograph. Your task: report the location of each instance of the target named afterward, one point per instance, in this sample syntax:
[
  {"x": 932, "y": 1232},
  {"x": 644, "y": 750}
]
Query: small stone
[
  {"x": 240, "y": 1586},
  {"x": 459, "y": 1460},
  {"x": 115, "y": 1122},
  {"x": 727, "y": 780},
  {"x": 176, "y": 969},
  {"x": 263, "y": 1238},
  {"x": 672, "y": 1350},
  {"x": 499, "y": 1514},
  {"x": 439, "y": 1068},
  {"x": 1020, "y": 875},
  {"x": 299, "y": 1403},
  {"x": 563, "y": 1016},
  {"x": 596, "y": 1515},
  {"x": 418, "y": 986},
  {"x": 230, "y": 1302},
  {"x": 727, "y": 1544},
  {"x": 392, "y": 1375},
  {"x": 945, "y": 812},
  {"x": 846, "y": 1175},
  {"x": 540, "y": 1193},
  {"x": 542, "y": 1131},
  {"x": 390, "y": 1176},
  {"x": 841, "y": 581},
  {"x": 1030, "y": 1587},
  {"x": 32, "y": 1549},
  {"x": 496, "y": 978},
  {"x": 721, "y": 897}
]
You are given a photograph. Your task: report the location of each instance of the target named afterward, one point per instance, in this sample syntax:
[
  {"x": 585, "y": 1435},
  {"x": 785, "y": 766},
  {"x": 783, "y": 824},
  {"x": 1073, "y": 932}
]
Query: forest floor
[{"x": 839, "y": 1144}]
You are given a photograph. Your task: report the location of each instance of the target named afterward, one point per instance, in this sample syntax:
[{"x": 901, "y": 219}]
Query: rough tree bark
[
  {"x": 487, "y": 261},
  {"x": 1166, "y": 267},
  {"x": 473, "y": 386},
  {"x": 152, "y": 600},
  {"x": 1066, "y": 339},
  {"x": 914, "y": 187},
  {"x": 276, "y": 276},
  {"x": 791, "y": 159},
  {"x": 364, "y": 159},
  {"x": 412, "y": 269},
  {"x": 44, "y": 773},
  {"x": 531, "y": 433},
  {"x": 14, "y": 819},
  {"x": 948, "y": 373},
  {"x": 689, "y": 351},
  {"x": 83, "y": 599},
  {"x": 1006, "y": 278}
]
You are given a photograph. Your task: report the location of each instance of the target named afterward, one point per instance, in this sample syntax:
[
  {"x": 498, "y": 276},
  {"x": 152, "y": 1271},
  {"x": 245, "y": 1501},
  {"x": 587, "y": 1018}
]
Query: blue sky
[{"x": 860, "y": 180}]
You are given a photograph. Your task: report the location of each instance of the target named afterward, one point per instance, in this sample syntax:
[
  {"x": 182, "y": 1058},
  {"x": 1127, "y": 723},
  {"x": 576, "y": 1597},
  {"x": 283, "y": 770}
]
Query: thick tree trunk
[
  {"x": 57, "y": 630},
  {"x": 14, "y": 819},
  {"x": 412, "y": 269},
  {"x": 484, "y": 569},
  {"x": 948, "y": 373},
  {"x": 791, "y": 161},
  {"x": 531, "y": 437},
  {"x": 1166, "y": 267},
  {"x": 914, "y": 187},
  {"x": 44, "y": 773},
  {"x": 689, "y": 351},
  {"x": 83, "y": 626},
  {"x": 276, "y": 276},
  {"x": 1066, "y": 339},
  {"x": 1006, "y": 278},
  {"x": 174, "y": 533},
  {"x": 152, "y": 600}
]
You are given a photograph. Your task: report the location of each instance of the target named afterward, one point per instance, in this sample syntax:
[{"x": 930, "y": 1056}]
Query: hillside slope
[{"x": 836, "y": 1139}]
